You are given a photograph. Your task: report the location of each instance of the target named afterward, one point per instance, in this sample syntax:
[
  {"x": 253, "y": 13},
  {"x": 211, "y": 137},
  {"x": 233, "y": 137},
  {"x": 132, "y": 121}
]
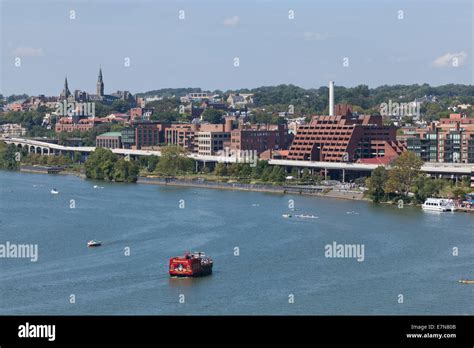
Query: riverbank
[
  {"x": 320, "y": 191},
  {"x": 309, "y": 190},
  {"x": 49, "y": 170}
]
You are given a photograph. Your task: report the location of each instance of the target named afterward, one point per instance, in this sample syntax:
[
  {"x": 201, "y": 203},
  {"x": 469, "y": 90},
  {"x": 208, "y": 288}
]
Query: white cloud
[
  {"x": 232, "y": 21},
  {"x": 312, "y": 36},
  {"x": 450, "y": 59},
  {"x": 25, "y": 51}
]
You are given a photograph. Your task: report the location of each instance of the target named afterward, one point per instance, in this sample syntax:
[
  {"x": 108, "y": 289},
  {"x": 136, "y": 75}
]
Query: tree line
[{"x": 404, "y": 181}]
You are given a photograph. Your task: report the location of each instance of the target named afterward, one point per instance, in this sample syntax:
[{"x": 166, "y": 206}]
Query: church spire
[
  {"x": 100, "y": 84},
  {"x": 66, "y": 93}
]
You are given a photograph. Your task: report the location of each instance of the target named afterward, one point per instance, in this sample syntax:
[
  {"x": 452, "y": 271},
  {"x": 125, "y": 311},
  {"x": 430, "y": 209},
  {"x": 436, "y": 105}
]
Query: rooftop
[{"x": 111, "y": 134}]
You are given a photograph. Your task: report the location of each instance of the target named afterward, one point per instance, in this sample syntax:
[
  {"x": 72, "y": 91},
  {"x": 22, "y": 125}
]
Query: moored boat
[
  {"x": 438, "y": 204},
  {"x": 195, "y": 264}
]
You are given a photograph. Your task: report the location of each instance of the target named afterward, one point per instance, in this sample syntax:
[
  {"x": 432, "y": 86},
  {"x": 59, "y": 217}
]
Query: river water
[{"x": 263, "y": 263}]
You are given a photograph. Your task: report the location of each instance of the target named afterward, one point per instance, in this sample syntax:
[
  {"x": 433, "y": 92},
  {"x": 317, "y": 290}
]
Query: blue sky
[{"x": 199, "y": 51}]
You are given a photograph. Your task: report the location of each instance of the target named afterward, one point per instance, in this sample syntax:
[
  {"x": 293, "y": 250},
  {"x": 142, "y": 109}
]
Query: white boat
[
  {"x": 303, "y": 216},
  {"x": 94, "y": 243},
  {"x": 286, "y": 216},
  {"x": 466, "y": 281},
  {"x": 54, "y": 192},
  {"x": 438, "y": 204}
]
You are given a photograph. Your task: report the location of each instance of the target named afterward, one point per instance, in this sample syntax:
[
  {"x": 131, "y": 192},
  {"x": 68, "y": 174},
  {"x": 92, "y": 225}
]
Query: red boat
[{"x": 191, "y": 265}]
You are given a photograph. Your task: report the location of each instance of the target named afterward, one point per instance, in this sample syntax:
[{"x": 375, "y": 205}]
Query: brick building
[
  {"x": 149, "y": 134},
  {"x": 181, "y": 135},
  {"x": 447, "y": 140},
  {"x": 110, "y": 140},
  {"x": 343, "y": 137},
  {"x": 260, "y": 138}
]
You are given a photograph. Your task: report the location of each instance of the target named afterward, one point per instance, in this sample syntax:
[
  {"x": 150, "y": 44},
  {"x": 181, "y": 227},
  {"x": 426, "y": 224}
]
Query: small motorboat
[
  {"x": 94, "y": 243},
  {"x": 303, "y": 216},
  {"x": 286, "y": 216},
  {"x": 54, "y": 192},
  {"x": 466, "y": 281}
]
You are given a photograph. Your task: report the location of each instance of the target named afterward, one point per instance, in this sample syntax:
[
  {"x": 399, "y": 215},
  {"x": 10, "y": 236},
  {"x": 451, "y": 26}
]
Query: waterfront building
[
  {"x": 343, "y": 137},
  {"x": 260, "y": 138},
  {"x": 448, "y": 140},
  {"x": 211, "y": 142},
  {"x": 128, "y": 138},
  {"x": 109, "y": 140},
  {"x": 149, "y": 134},
  {"x": 182, "y": 134}
]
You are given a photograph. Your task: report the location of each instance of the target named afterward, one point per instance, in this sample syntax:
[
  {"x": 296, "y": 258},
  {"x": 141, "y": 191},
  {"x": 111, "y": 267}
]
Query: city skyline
[{"x": 166, "y": 48}]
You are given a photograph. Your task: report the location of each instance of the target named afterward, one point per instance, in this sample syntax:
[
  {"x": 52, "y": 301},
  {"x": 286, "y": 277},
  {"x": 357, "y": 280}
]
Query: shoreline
[
  {"x": 277, "y": 189},
  {"x": 283, "y": 190},
  {"x": 216, "y": 185},
  {"x": 44, "y": 170}
]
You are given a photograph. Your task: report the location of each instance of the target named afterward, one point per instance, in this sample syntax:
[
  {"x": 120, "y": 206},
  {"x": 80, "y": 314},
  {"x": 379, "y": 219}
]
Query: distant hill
[{"x": 316, "y": 99}]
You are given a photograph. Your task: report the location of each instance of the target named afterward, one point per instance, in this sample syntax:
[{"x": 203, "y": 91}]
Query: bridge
[
  {"x": 446, "y": 170},
  {"x": 453, "y": 170},
  {"x": 45, "y": 148}
]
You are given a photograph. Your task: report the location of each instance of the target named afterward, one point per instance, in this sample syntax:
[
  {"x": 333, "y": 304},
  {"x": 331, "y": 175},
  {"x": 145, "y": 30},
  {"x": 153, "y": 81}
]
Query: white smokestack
[{"x": 331, "y": 98}]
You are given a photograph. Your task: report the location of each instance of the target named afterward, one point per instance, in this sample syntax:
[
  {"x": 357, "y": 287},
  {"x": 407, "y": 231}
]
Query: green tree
[
  {"x": 102, "y": 110},
  {"x": 120, "y": 106},
  {"x": 245, "y": 171},
  {"x": 376, "y": 184},
  {"x": 165, "y": 116},
  {"x": 404, "y": 173},
  {"x": 306, "y": 176},
  {"x": 212, "y": 115},
  {"x": 267, "y": 173},
  {"x": 277, "y": 175},
  {"x": 77, "y": 157},
  {"x": 426, "y": 187},
  {"x": 460, "y": 192},
  {"x": 100, "y": 164},
  {"x": 234, "y": 169},
  {"x": 8, "y": 156},
  {"x": 220, "y": 169},
  {"x": 258, "y": 170},
  {"x": 125, "y": 171},
  {"x": 152, "y": 162},
  {"x": 174, "y": 161}
]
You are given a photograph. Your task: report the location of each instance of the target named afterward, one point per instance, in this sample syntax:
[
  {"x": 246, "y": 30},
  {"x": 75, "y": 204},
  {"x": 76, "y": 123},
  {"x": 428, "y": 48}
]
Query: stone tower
[{"x": 100, "y": 84}]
